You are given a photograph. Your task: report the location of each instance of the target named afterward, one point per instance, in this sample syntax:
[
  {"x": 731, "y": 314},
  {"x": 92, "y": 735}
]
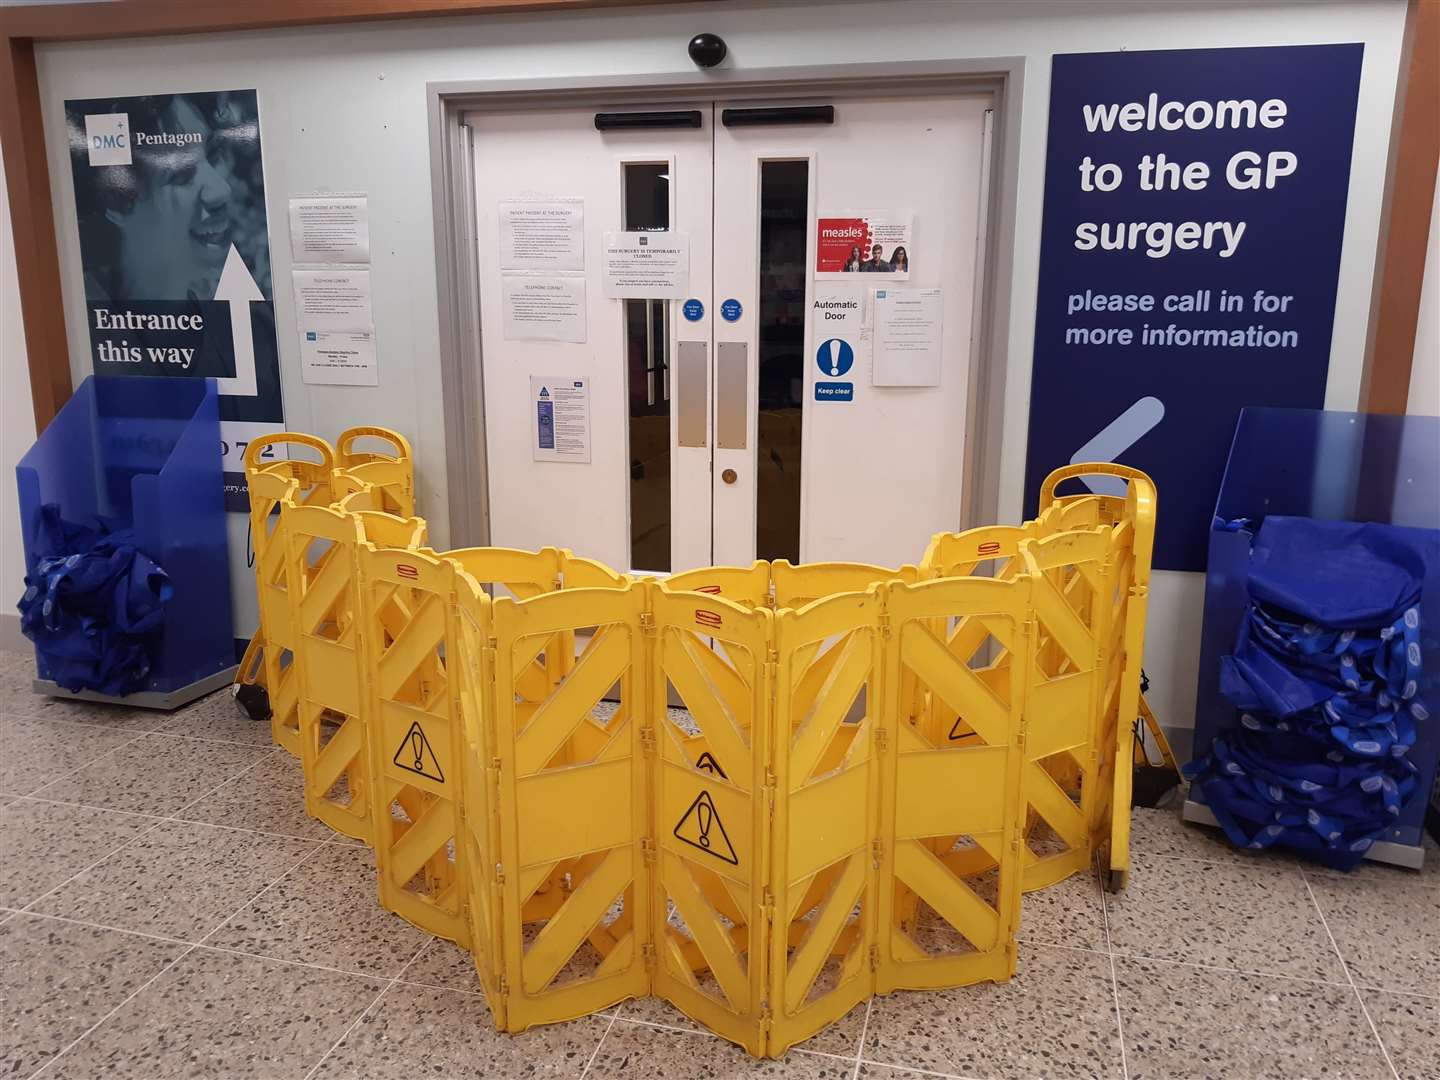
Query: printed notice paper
[
  {"x": 907, "y": 337},
  {"x": 332, "y": 300},
  {"x": 339, "y": 358},
  {"x": 647, "y": 265},
  {"x": 330, "y": 229},
  {"x": 560, "y": 419},
  {"x": 539, "y": 307},
  {"x": 542, "y": 234}
]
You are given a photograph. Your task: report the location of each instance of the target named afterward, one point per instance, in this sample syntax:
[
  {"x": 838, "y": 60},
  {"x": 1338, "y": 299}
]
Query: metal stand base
[
  {"x": 1384, "y": 851},
  {"x": 145, "y": 699}
]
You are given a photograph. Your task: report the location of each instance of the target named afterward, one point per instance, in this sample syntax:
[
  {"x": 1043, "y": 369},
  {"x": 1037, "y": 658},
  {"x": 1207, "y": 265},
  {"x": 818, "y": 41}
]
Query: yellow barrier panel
[
  {"x": 864, "y": 770},
  {"x": 410, "y": 636}
]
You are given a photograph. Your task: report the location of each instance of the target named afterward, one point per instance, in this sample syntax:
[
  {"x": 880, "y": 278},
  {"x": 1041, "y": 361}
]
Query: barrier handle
[
  {"x": 394, "y": 438},
  {"x": 256, "y": 446},
  {"x": 1086, "y": 468}
]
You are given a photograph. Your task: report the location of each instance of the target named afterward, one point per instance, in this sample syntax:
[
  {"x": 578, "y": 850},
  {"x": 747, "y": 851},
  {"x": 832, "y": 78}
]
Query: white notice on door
[
  {"x": 330, "y": 228},
  {"x": 332, "y": 300},
  {"x": 560, "y": 418},
  {"x": 907, "y": 337},
  {"x": 647, "y": 265},
  {"x": 539, "y": 307},
  {"x": 540, "y": 234},
  {"x": 338, "y": 358}
]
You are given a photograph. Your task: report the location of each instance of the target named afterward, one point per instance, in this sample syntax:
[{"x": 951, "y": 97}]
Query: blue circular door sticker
[
  {"x": 835, "y": 357},
  {"x": 694, "y": 310},
  {"x": 730, "y": 310}
]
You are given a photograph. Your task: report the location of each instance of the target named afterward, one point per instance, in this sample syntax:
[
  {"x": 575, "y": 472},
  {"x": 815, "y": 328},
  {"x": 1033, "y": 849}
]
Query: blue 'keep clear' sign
[{"x": 1190, "y": 252}]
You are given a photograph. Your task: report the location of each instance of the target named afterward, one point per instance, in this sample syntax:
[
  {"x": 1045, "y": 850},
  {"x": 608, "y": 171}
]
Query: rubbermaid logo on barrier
[
  {"x": 708, "y": 618},
  {"x": 107, "y": 138},
  {"x": 405, "y": 570},
  {"x": 990, "y": 547}
]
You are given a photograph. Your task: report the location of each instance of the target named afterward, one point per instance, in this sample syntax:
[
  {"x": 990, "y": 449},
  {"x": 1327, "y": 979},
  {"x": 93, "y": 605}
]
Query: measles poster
[
  {"x": 170, "y": 203},
  {"x": 863, "y": 242},
  {"x": 1189, "y": 261}
]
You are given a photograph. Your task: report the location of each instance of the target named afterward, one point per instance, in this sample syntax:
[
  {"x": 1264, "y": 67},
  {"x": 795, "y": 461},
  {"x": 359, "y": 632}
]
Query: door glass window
[
  {"x": 647, "y": 360},
  {"x": 784, "y": 213}
]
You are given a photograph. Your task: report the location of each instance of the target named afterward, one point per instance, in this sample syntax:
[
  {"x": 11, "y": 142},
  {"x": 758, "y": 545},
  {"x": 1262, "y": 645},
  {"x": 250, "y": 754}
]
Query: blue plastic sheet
[
  {"x": 1325, "y": 672},
  {"x": 94, "y": 606}
]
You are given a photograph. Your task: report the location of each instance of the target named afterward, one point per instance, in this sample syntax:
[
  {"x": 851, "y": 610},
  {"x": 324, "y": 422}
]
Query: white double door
[{"x": 705, "y": 441}]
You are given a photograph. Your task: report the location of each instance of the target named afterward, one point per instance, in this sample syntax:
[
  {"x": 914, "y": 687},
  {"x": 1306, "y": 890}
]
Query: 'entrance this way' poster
[{"x": 170, "y": 200}]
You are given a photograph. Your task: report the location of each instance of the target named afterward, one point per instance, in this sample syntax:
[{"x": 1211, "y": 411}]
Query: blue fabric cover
[
  {"x": 1325, "y": 673},
  {"x": 94, "y": 606}
]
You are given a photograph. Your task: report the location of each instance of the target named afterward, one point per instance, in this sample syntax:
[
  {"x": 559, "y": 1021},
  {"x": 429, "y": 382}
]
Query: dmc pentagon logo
[{"x": 107, "y": 136}]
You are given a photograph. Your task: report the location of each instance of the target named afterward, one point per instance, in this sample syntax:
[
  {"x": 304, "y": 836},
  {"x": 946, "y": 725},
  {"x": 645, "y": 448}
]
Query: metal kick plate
[
  {"x": 731, "y": 396},
  {"x": 691, "y": 397}
]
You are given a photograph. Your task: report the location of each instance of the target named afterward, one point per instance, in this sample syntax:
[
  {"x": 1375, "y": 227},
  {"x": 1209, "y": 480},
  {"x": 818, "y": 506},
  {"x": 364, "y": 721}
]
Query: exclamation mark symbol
[
  {"x": 705, "y": 814},
  {"x": 835, "y": 356},
  {"x": 417, "y": 749}
]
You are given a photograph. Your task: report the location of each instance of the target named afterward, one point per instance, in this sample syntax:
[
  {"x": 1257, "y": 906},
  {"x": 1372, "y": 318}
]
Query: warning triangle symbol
[
  {"x": 960, "y": 729},
  {"x": 700, "y": 827},
  {"x": 707, "y": 763},
  {"x": 415, "y": 755}
]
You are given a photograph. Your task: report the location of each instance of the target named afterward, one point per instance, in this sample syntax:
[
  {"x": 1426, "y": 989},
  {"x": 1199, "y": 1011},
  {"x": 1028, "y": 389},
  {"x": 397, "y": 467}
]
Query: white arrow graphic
[
  {"x": 1114, "y": 439},
  {"x": 239, "y": 289}
]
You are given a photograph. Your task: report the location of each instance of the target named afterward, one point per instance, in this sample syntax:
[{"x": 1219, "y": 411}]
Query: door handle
[
  {"x": 729, "y": 476},
  {"x": 732, "y": 396},
  {"x": 690, "y": 393}
]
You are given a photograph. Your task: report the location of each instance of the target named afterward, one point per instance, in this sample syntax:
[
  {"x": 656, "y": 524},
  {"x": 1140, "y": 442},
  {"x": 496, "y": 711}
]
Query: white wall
[
  {"x": 17, "y": 425},
  {"x": 1425, "y": 369},
  {"x": 345, "y": 109}
]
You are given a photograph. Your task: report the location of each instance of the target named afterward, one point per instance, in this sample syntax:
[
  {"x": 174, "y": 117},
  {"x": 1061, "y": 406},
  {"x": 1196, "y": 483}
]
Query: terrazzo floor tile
[
  {"x": 155, "y": 774},
  {"x": 216, "y": 716},
  {"x": 33, "y": 753},
  {"x": 268, "y": 798},
  {"x": 422, "y": 1031},
  {"x": 94, "y": 713},
  {"x": 325, "y": 911},
  {"x": 841, "y": 1037},
  {"x": 1248, "y": 918},
  {"x": 222, "y": 1016},
  {"x": 57, "y": 979},
  {"x": 445, "y": 965},
  {"x": 1183, "y": 1022},
  {"x": 638, "y": 1052},
  {"x": 180, "y": 881},
  {"x": 43, "y": 843},
  {"x": 1410, "y": 1029},
  {"x": 1070, "y": 913},
  {"x": 1160, "y": 831},
  {"x": 1054, "y": 1018},
  {"x": 1389, "y": 936},
  {"x": 1383, "y": 875}
]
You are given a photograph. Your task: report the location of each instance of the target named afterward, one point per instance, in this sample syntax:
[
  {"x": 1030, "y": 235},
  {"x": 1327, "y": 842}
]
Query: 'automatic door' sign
[{"x": 1190, "y": 253}]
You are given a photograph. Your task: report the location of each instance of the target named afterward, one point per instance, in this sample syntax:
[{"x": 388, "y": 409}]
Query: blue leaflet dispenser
[
  {"x": 143, "y": 456},
  {"x": 1330, "y": 521}
]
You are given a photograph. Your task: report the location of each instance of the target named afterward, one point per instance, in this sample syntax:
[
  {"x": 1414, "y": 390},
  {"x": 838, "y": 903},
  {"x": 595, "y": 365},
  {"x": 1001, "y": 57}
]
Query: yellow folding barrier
[
  {"x": 372, "y": 480},
  {"x": 866, "y": 767}
]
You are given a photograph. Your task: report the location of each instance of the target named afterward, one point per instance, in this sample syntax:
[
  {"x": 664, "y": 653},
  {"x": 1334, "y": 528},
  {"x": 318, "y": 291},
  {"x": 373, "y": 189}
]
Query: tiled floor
[{"x": 168, "y": 910}]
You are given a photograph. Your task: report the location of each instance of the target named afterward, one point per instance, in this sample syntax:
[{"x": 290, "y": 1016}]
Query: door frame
[{"x": 456, "y": 266}]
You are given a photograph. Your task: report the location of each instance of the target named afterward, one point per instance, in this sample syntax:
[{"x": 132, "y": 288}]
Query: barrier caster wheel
[{"x": 254, "y": 701}]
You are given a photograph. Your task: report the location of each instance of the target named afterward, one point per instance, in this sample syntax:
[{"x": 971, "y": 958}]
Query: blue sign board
[
  {"x": 834, "y": 391},
  {"x": 730, "y": 310},
  {"x": 1190, "y": 253},
  {"x": 694, "y": 310},
  {"x": 834, "y": 357}
]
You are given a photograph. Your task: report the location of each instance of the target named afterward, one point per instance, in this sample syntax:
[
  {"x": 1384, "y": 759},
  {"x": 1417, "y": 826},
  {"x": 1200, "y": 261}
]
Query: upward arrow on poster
[{"x": 239, "y": 289}]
